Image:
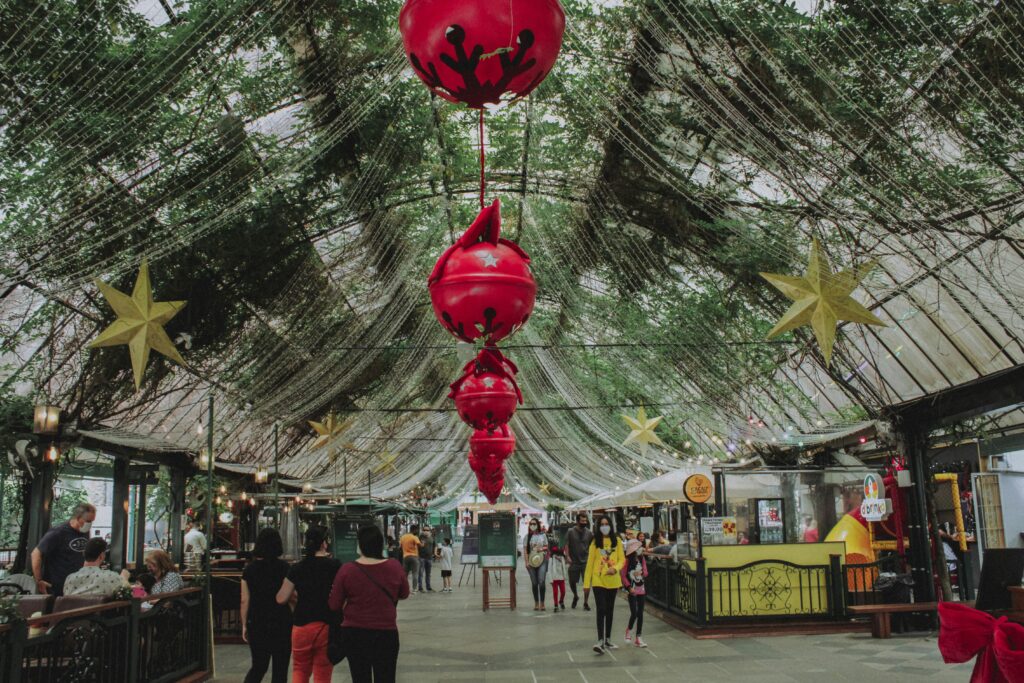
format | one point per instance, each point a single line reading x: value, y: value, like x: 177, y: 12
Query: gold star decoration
x: 387, y: 461
x: 545, y: 488
x: 821, y: 299
x: 642, y: 429
x: 327, y: 431
x: 139, y: 323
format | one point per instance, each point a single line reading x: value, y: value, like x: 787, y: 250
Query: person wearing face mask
x: 604, y: 564
x: 535, y: 554
x: 61, y: 551
x: 577, y: 546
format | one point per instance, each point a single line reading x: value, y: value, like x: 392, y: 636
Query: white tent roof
x: 658, y: 490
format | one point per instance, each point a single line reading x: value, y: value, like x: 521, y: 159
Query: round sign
x: 697, y: 488
x: 874, y: 487
x: 226, y: 517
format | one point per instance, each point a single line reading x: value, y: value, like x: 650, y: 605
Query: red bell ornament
x: 482, y: 287
x: 482, y: 52
x: 486, y: 395
x: 497, y: 444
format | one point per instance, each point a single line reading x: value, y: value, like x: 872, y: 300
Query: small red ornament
x: 487, y: 394
x: 482, y: 287
x: 482, y: 51
x: 496, y: 444
x: 491, y: 482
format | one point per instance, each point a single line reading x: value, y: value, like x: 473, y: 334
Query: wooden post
x: 176, y: 509
x: 39, y: 512
x: 140, y: 525
x: 119, y: 516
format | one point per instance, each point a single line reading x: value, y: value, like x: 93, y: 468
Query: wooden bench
x: 881, y: 615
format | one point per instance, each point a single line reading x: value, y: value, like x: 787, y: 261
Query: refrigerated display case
x: 767, y: 520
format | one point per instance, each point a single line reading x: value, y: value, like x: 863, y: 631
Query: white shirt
x: 556, y: 570
x: 195, y: 541
x: 93, y: 581
x: 446, y: 558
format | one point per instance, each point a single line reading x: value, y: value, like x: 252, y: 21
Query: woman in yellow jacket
x: 604, y: 562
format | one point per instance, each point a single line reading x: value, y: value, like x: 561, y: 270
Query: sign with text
x: 697, y: 488
x: 470, y: 545
x: 498, y: 540
x: 875, y: 506
x: 718, y: 531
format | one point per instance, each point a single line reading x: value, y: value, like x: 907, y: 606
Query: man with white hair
x: 61, y: 550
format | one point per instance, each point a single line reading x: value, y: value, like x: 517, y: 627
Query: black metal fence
x: 860, y: 581
x: 116, y: 642
x: 766, y: 590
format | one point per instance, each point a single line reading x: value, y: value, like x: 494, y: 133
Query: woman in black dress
x: 266, y: 625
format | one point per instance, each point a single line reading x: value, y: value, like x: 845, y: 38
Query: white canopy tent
x: 666, y: 487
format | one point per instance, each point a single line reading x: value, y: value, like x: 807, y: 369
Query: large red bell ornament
x: 482, y: 287
x: 482, y: 52
x: 497, y: 444
x: 486, y: 395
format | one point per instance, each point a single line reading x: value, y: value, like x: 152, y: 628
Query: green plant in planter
x: 9, y: 612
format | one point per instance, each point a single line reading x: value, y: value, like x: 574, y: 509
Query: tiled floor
x: 447, y: 637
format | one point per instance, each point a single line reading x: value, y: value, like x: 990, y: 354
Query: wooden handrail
x: 164, y: 596
x: 77, y: 613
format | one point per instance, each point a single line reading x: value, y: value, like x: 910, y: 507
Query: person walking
x: 367, y: 592
x: 604, y: 562
x: 411, y: 543
x: 310, y: 580
x: 194, y: 545
x: 577, y: 547
x: 59, y: 552
x: 161, y: 566
x: 535, y: 555
x: 634, y: 573
x: 556, y: 570
x: 92, y: 578
x: 426, y: 556
x: 447, y: 554
x: 266, y: 625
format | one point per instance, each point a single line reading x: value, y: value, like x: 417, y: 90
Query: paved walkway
x: 447, y: 637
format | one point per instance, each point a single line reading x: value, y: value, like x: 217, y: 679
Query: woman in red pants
x: 310, y: 580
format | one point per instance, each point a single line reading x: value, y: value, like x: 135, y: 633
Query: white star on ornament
x: 489, y: 382
x: 489, y: 260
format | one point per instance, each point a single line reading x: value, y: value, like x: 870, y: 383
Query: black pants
x: 605, y: 603
x: 373, y: 654
x: 575, y: 573
x: 636, y: 612
x: 262, y: 649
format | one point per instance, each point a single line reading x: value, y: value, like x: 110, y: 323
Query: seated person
x: 143, y: 585
x: 92, y: 578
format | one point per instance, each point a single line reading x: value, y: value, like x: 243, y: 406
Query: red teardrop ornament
x: 482, y: 287
x: 482, y: 52
x: 486, y: 395
x: 497, y: 444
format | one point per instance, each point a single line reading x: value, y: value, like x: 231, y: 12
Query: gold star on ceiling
x: 328, y: 430
x: 139, y: 323
x: 545, y: 488
x: 642, y: 430
x: 387, y: 461
x: 821, y: 299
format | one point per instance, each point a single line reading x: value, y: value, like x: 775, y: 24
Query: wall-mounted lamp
x: 46, y: 419
x: 52, y: 453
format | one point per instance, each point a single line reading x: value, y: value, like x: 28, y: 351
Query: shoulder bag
x: 337, y: 648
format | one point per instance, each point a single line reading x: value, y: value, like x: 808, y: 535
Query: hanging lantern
x: 307, y: 487
x: 45, y: 419
x: 481, y: 286
x: 482, y: 52
x: 52, y: 453
x: 487, y: 394
x: 498, y: 444
x: 261, y: 475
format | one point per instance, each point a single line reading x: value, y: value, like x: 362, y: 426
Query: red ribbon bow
x: 965, y: 633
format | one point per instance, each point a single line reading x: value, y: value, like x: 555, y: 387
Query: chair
x: 30, y: 604
x: 69, y: 602
x: 24, y: 582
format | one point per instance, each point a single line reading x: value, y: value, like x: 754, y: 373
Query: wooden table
x: 510, y: 601
x: 1016, y: 598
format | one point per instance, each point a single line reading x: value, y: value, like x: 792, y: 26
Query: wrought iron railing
x: 770, y: 589
x: 859, y: 580
x: 115, y: 642
x: 763, y: 590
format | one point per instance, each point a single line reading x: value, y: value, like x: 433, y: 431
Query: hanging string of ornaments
x: 483, y: 54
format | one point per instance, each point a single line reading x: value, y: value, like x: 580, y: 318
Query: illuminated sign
x: 697, y: 488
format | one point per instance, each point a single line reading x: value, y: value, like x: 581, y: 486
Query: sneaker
x: 629, y: 636
x: 562, y: 605
x: 556, y: 607
x: 639, y: 643
x: 609, y: 645
x: 599, y: 647
x: 575, y: 601
x: 586, y: 607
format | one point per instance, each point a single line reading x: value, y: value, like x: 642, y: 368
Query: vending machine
x: 767, y: 519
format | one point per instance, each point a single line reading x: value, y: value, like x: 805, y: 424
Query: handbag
x: 337, y: 647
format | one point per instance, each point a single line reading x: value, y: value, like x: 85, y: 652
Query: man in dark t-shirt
x: 426, y: 559
x: 60, y: 552
x: 577, y: 548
